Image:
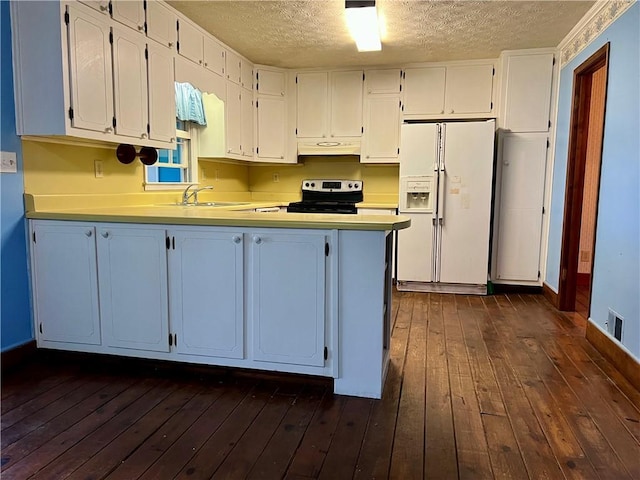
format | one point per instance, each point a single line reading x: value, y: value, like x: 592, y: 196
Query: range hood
x: 310, y: 147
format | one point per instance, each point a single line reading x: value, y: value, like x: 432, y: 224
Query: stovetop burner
x: 329, y: 196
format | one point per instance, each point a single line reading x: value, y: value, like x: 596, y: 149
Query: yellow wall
x: 58, y: 169
x: 377, y: 179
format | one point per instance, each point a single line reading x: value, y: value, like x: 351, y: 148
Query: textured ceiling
x: 313, y: 33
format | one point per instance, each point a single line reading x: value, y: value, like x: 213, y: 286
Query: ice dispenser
x: 416, y: 194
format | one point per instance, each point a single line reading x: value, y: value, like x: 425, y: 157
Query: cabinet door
x: 99, y: 5
x: 270, y: 83
x: 161, y: 24
x: 190, y: 42
x: 132, y: 278
x: 346, y: 104
x: 382, y: 81
x: 233, y: 109
x: 246, y: 74
x: 527, y: 96
x: 234, y: 66
x: 469, y: 89
x: 90, y: 71
x: 381, y: 129
x: 424, y: 91
x: 206, y: 292
x: 129, y: 13
x: 312, y: 104
x: 246, y: 143
x: 162, y: 105
x: 65, y: 283
x: 272, y: 124
x: 287, y: 297
x: 522, y: 164
x: 130, y: 84
x: 214, y: 56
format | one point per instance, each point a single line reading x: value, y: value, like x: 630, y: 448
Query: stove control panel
x: 332, y: 185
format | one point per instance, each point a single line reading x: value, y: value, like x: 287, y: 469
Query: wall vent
x: 614, y: 325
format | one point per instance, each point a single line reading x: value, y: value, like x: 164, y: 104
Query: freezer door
x: 465, y: 212
x: 415, y: 256
x: 418, y: 148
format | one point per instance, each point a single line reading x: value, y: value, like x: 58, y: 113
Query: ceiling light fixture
x: 362, y: 20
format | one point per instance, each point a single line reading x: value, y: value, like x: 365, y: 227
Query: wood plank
x: 74, y: 457
x: 407, y: 457
x: 37, y: 388
x: 225, y: 437
x: 312, y: 451
x: 45, y: 454
x: 241, y: 459
x: 471, y: 444
x: 375, y: 455
x: 440, y: 444
x: 115, y: 452
x: 157, y: 445
x: 95, y: 404
x: 276, y: 456
x: 37, y: 419
x: 182, y: 451
x: 346, y: 443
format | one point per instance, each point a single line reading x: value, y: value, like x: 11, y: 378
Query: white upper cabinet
x: 329, y: 104
x: 233, y: 110
x: 382, y: 81
x: 234, y: 67
x: 270, y: 83
x: 162, y: 105
x: 246, y: 134
x: 381, y: 139
x: 99, y: 5
x: 312, y: 104
x: 190, y: 42
x: 469, y: 89
x: 246, y: 74
x: 271, y: 129
x: 161, y: 24
x: 424, y: 91
x: 130, y: 84
x: 91, y: 81
x: 526, y: 91
x: 346, y: 104
x: 449, y: 91
x: 214, y: 55
x: 129, y: 13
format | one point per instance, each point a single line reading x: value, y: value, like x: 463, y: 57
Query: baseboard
x: 583, y: 279
x: 17, y: 356
x: 619, y: 358
x: 509, y: 288
x: 550, y: 295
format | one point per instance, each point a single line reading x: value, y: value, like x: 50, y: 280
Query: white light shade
x: 363, y: 25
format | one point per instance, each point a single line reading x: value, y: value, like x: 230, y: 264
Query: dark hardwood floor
x: 502, y: 386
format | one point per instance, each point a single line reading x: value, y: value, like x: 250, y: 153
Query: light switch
x: 8, y: 162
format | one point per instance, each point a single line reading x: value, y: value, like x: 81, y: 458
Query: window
x: 175, y: 168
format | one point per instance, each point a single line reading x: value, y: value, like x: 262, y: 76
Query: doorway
x: 583, y: 182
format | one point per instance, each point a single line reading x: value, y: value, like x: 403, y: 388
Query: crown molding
x: 594, y: 22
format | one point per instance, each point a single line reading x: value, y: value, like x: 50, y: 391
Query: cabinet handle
x: 140, y: 27
x: 200, y: 62
x: 170, y: 44
x: 105, y: 234
x: 108, y: 129
x: 257, y: 240
x: 281, y: 156
x: 206, y: 64
x: 103, y: 8
x: 441, y: 111
x: 237, y: 239
x: 172, y: 139
x: 88, y: 233
x: 452, y: 111
x: 144, y: 135
x: 282, y: 94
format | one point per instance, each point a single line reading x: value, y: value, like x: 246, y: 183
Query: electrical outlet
x: 8, y: 163
x: 276, y: 177
x: 97, y: 166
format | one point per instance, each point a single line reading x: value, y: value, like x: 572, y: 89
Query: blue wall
x: 15, y: 321
x: 616, y: 275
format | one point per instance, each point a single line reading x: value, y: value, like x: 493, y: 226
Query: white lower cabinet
x: 287, y: 296
x: 65, y: 283
x: 132, y: 279
x: 206, y: 291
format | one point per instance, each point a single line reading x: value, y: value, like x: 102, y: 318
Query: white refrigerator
x: 446, y: 172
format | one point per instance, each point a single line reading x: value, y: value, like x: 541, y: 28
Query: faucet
x: 186, y: 195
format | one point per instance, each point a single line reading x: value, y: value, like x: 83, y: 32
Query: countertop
x: 231, y: 216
